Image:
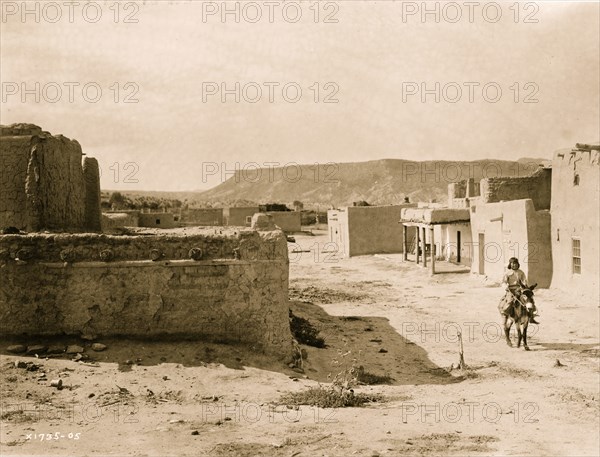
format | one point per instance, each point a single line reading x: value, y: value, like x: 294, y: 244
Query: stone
x: 36, y: 349
x: 56, y: 349
x: 16, y: 348
x: 98, y: 347
x: 74, y: 349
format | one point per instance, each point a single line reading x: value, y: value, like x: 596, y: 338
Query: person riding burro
x: 515, y: 280
x: 517, y: 306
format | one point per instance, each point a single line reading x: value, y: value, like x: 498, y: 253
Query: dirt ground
x: 188, y: 398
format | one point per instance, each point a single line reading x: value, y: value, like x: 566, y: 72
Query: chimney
x: 470, y: 188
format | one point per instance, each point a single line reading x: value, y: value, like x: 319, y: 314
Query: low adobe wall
x: 288, y: 221
x: 235, y: 289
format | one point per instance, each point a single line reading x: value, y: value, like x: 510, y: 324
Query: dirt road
x: 189, y: 398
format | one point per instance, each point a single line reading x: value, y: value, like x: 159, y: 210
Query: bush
x: 305, y: 332
x: 327, y: 397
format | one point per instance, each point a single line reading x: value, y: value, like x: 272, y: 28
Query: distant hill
x: 379, y: 182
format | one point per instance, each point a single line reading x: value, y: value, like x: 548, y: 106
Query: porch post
x: 432, y: 271
x: 405, y: 242
x: 417, y: 257
x: 423, y: 243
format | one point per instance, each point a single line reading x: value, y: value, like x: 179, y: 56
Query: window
x: 248, y: 220
x: 576, y: 256
x: 157, y: 221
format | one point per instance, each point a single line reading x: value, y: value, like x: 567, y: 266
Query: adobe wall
x: 337, y: 226
x: 449, y: 235
x: 91, y: 177
x: 157, y: 220
x: 14, y: 157
x: 576, y: 214
x: 537, y: 187
x: 42, y: 182
x: 238, y: 216
x: 288, y: 221
x: 539, y: 252
x: 512, y: 229
x: 376, y: 229
x: 235, y: 290
x: 202, y: 216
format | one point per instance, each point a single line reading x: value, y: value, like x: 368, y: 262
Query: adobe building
x: 511, y: 218
x: 575, y: 210
x: 288, y: 221
x: 241, y: 216
x: 434, y: 230
x: 230, y: 286
x: 488, y: 222
x: 363, y: 230
x: 202, y: 216
x: 45, y: 183
x: 512, y: 229
x: 162, y: 220
x: 443, y: 232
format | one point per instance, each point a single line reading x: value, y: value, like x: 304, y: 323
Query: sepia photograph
x: 299, y: 228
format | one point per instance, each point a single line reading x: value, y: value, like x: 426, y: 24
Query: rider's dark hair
x: 513, y: 259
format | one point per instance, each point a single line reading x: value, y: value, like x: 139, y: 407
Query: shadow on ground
x: 371, y: 342
x: 590, y: 349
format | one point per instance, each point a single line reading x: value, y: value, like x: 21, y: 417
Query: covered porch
x: 424, y: 220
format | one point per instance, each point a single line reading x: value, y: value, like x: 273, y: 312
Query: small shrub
x: 364, y: 377
x: 328, y: 397
x: 305, y: 332
x: 340, y: 393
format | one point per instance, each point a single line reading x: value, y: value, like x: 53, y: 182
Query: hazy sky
x: 375, y: 61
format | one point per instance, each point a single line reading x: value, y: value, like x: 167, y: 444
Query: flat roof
x: 435, y: 215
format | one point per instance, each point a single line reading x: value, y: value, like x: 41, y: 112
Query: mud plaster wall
x: 512, y: 229
x: 337, y: 226
x: 576, y: 215
x: 288, y: 221
x: 202, y: 216
x: 236, y: 292
x: 238, y: 216
x: 376, y: 229
x: 450, y: 247
x: 364, y: 230
x: 42, y: 183
x: 14, y: 157
x: 537, y: 187
x: 91, y: 176
x: 157, y: 220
